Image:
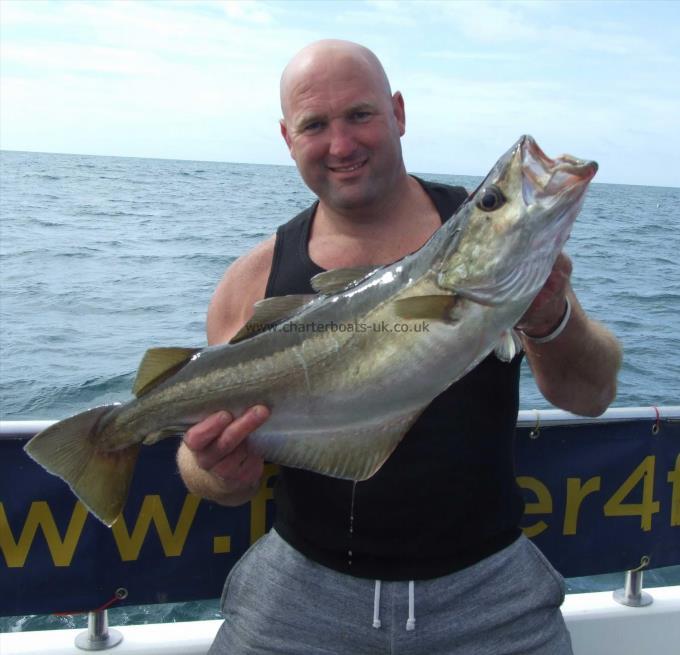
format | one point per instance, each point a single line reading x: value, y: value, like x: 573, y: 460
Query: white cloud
x: 71, y: 57
x: 248, y: 11
x: 383, y: 12
x: 475, y: 55
x: 200, y: 79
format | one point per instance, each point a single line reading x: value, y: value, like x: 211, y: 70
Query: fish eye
x: 491, y: 198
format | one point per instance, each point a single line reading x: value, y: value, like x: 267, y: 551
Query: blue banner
x: 598, y: 497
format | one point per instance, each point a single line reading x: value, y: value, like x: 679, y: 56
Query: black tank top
x: 445, y: 499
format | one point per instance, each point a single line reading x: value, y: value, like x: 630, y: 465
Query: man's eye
x: 314, y: 126
x: 361, y: 116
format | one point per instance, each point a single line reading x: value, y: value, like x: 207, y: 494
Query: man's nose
x: 342, y: 143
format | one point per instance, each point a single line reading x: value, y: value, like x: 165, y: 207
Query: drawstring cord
x: 376, y: 605
x: 411, y: 621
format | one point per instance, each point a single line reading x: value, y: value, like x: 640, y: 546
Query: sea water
x: 104, y: 257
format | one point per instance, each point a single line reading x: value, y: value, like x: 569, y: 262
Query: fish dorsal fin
x: 158, y: 364
x: 339, y: 279
x: 435, y: 308
x: 270, y: 311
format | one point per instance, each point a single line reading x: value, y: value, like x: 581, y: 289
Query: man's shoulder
x: 259, y: 258
x: 446, y: 197
x: 243, y: 284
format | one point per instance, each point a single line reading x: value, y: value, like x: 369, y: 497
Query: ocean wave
x: 43, y: 176
x: 80, y: 252
x: 41, y: 401
x: 110, y: 213
x: 44, y: 222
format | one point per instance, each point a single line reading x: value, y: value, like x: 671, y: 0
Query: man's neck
x: 358, y: 220
x: 375, y: 235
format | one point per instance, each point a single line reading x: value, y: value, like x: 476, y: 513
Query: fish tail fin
x: 100, y: 479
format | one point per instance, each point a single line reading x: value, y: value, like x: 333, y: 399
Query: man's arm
x: 213, y: 459
x: 577, y: 370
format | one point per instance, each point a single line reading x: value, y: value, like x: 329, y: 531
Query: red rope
x: 657, y: 425
x: 106, y: 605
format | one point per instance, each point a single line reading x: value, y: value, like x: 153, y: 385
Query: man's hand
x: 214, y: 460
x: 576, y: 371
x: 548, y: 307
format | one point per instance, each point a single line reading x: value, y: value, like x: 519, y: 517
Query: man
x: 437, y: 526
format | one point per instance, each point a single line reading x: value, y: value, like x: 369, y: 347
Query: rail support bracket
x: 632, y: 595
x: 98, y: 636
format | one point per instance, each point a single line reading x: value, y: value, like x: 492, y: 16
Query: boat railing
x: 602, y: 495
x: 526, y: 418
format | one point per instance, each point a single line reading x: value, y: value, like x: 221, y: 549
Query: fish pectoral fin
x: 100, y: 479
x: 509, y: 345
x: 351, y: 452
x: 270, y: 311
x: 158, y: 364
x: 435, y: 308
x: 339, y: 279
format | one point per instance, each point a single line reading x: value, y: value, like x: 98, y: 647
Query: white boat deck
x: 598, y: 626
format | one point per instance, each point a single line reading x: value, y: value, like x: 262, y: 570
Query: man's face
x: 343, y: 130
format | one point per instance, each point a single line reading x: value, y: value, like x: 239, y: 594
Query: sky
x: 199, y: 80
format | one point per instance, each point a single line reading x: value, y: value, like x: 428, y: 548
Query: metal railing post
x: 98, y: 636
x: 632, y: 594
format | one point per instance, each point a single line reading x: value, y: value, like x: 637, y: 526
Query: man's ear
x: 399, y: 112
x: 286, y: 136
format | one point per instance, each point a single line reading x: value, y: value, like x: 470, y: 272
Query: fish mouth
x: 544, y: 178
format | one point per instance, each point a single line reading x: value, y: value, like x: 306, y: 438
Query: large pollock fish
x: 343, y: 384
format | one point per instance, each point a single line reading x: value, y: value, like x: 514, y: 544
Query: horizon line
x: 243, y: 163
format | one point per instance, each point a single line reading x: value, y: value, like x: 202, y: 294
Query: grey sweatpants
x: 276, y: 600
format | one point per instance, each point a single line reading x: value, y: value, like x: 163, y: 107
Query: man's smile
x: 349, y: 168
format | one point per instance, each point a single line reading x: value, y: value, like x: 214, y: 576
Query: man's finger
x: 227, y: 449
x: 202, y: 434
x: 239, y: 429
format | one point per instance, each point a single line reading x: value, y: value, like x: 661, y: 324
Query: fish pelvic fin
x: 509, y: 345
x: 158, y: 364
x: 100, y: 479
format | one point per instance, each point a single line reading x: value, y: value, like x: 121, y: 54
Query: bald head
x: 322, y: 56
x: 342, y: 126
